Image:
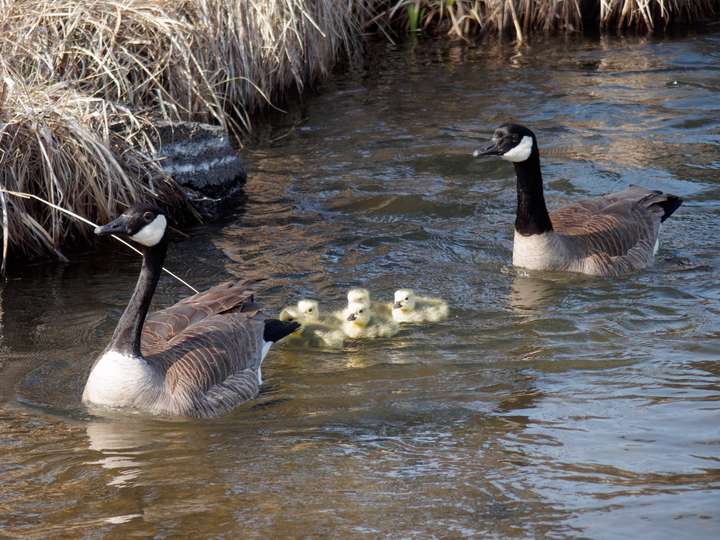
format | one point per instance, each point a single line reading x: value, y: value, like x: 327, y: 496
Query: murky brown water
x: 547, y: 406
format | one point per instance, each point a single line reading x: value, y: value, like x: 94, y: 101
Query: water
x: 547, y: 406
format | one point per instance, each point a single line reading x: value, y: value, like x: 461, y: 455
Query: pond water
x: 546, y: 406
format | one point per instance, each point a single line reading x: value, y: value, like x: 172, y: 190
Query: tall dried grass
x: 185, y: 60
x: 652, y: 14
x: 87, y: 154
x: 88, y: 78
x: 466, y: 18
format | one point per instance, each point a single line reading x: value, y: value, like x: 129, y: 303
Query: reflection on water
x: 546, y: 406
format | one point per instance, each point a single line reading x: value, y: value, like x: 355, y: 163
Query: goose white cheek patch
x: 151, y: 233
x: 521, y: 152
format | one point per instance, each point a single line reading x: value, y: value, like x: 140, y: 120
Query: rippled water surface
x: 546, y: 406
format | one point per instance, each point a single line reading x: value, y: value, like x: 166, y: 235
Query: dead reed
x: 85, y: 154
x: 518, y: 18
x: 85, y: 80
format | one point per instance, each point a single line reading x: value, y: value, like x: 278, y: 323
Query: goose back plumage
x: 208, y: 348
x: 615, y: 233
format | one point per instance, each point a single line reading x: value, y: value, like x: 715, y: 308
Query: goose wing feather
x: 612, y: 225
x: 161, y: 326
x: 212, y: 365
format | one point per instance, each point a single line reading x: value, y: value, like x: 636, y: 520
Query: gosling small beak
x: 397, y: 305
x: 490, y: 149
x: 116, y: 226
x: 352, y: 317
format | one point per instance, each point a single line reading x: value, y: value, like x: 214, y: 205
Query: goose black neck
x: 532, y: 215
x: 128, y: 333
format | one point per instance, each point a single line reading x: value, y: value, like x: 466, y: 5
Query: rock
x: 200, y: 158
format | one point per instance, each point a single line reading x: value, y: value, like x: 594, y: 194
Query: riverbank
x: 84, y: 85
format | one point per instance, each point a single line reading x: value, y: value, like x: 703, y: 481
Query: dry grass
x: 648, y: 15
x: 467, y: 18
x: 88, y: 78
x: 184, y: 60
x: 85, y: 154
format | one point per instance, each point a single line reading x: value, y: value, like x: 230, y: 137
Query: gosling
x: 361, y: 323
x: 409, y: 308
x: 315, y: 329
x: 358, y: 295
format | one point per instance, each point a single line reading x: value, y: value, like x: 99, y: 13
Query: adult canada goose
x: 603, y: 236
x: 200, y: 357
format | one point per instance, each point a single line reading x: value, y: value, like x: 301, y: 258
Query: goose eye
x: 361, y: 311
x: 148, y: 217
x: 310, y: 310
x: 407, y: 298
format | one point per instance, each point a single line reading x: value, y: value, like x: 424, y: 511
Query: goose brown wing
x: 611, y: 225
x: 162, y: 326
x: 213, y: 361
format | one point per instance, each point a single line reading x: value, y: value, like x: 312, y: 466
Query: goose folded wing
x: 612, y: 225
x: 162, y: 326
x: 210, y: 352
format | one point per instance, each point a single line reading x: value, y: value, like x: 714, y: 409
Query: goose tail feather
x: 275, y: 330
x: 666, y: 202
x: 669, y: 204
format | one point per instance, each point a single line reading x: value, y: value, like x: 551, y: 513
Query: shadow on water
x: 546, y: 406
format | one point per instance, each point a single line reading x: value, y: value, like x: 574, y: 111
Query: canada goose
x: 315, y: 329
x: 359, y: 295
x: 362, y: 323
x: 410, y: 308
x: 603, y: 236
x: 200, y: 357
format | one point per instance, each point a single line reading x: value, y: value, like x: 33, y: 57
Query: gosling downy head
x: 404, y: 300
x: 289, y: 314
x: 309, y: 310
x: 358, y: 314
x: 358, y: 295
x: 144, y: 224
x: 512, y: 142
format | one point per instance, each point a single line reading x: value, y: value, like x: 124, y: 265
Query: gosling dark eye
x: 407, y: 298
x: 148, y: 217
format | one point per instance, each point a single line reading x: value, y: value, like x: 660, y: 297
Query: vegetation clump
x: 85, y: 81
x: 518, y: 18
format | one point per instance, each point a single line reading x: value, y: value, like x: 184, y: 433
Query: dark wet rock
x: 201, y: 159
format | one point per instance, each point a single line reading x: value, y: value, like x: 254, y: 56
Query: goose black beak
x: 116, y: 226
x: 397, y: 305
x: 490, y: 149
x: 352, y: 317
